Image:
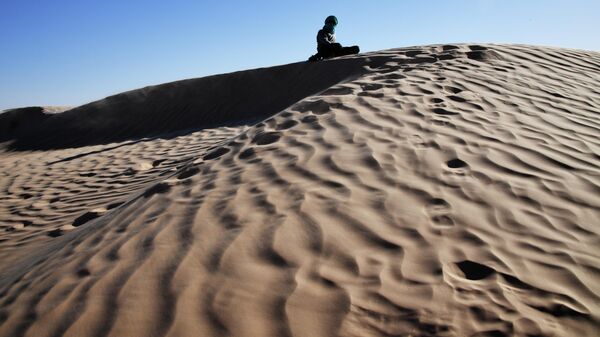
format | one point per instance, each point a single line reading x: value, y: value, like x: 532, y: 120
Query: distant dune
x: 448, y: 190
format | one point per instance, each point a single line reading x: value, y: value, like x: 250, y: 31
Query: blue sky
x: 70, y: 52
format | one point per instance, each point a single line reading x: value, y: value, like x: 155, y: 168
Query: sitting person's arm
x: 325, y: 38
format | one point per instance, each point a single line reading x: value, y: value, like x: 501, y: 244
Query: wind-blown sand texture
x: 429, y: 191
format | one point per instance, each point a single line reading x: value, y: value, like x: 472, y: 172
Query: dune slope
x: 428, y: 191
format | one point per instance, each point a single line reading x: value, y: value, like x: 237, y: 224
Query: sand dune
x: 449, y: 190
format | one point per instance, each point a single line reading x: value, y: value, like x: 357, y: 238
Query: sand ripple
x: 433, y: 191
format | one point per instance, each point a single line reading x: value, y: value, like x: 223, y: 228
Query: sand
x: 448, y: 190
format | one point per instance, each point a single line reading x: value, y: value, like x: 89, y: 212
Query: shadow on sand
x: 170, y: 109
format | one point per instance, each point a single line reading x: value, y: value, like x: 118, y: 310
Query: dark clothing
x: 329, y: 50
x: 327, y: 47
x: 324, y: 37
x: 326, y: 51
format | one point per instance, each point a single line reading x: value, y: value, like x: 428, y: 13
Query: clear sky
x: 70, y: 52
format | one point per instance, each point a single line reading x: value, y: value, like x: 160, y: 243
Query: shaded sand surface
x: 449, y: 190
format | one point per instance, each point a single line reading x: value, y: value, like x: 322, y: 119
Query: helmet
x: 332, y: 20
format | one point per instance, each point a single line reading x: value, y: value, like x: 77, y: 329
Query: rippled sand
x: 428, y: 191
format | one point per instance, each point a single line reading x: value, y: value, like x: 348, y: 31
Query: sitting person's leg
x: 330, y: 50
x: 349, y: 50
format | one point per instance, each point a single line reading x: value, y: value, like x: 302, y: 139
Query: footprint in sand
x: 286, y: 124
x: 449, y: 47
x: 55, y: 233
x: 247, y: 153
x: 87, y: 216
x: 157, y: 189
x: 453, y: 90
x: 83, y: 272
x: 477, y: 48
x: 157, y: 162
x: 456, y: 171
x: 443, y: 112
x: 266, y: 138
x: 371, y: 94
x: 468, y: 278
x: 474, y: 271
x: 190, y: 171
x: 456, y: 163
x: 318, y: 107
x: 477, y: 53
x: 436, y: 101
x: 114, y: 205
x: 457, y: 98
x: 439, y: 213
x: 129, y: 171
x: 26, y: 196
x: 214, y: 154
x: 447, y: 52
x: 446, y: 56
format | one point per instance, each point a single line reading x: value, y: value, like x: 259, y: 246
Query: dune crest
x: 448, y: 190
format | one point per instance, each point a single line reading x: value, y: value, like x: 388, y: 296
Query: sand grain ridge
x: 448, y: 190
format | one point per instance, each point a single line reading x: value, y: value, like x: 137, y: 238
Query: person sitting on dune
x: 327, y: 47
